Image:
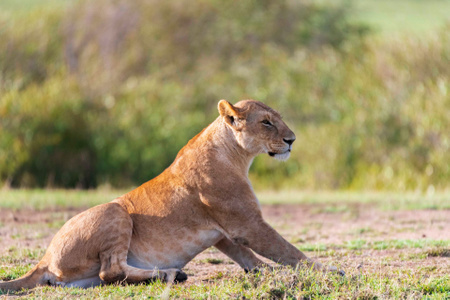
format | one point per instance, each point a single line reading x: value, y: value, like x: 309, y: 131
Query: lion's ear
x: 229, y: 113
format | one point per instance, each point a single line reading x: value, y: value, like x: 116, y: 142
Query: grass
x: 438, y: 245
x: 440, y: 251
x: 55, y: 199
x: 332, y: 202
x: 401, y: 16
x: 15, y: 6
x: 284, y: 283
x: 336, y: 202
x: 377, y: 266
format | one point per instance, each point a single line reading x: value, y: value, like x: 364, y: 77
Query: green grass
x: 214, y: 261
x: 437, y: 245
x: 284, y: 283
x: 403, y: 16
x: 23, y: 254
x: 439, y: 251
x: 389, y: 17
x: 18, y: 6
x: 19, y: 261
x: 55, y: 199
x: 334, y: 202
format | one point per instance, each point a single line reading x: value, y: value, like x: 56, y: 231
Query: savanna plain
x: 390, y: 246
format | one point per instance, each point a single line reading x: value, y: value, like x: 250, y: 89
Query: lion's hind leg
x: 113, y: 255
x: 114, y: 268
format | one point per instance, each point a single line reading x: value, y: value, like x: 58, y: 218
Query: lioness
x: 203, y: 199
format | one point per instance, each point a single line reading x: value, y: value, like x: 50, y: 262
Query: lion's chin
x: 281, y: 156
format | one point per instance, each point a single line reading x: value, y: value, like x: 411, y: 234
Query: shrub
x: 109, y: 91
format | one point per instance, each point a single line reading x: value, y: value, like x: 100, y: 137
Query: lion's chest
x: 173, y: 250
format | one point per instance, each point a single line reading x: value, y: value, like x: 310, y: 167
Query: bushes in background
x: 109, y: 91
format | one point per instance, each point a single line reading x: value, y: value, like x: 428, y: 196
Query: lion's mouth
x: 280, y: 156
x: 272, y: 154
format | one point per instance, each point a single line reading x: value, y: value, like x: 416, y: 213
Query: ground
x: 385, y: 253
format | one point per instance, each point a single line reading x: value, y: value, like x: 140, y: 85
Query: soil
x: 299, y: 224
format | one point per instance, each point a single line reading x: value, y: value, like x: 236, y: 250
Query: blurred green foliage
x: 107, y: 92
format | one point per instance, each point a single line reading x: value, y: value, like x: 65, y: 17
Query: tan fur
x: 203, y: 199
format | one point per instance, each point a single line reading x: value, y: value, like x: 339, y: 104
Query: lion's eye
x: 267, y: 123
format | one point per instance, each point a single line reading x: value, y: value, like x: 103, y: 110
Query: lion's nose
x: 289, y: 142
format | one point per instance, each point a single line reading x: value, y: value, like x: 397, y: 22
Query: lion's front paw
x: 175, y: 275
x: 180, y: 277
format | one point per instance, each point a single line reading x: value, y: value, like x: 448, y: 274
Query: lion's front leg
x: 240, y: 254
x: 264, y: 240
x: 240, y: 221
x: 259, y: 236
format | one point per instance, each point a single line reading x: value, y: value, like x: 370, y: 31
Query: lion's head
x: 258, y: 128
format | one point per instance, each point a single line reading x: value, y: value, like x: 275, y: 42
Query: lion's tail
x: 36, y: 276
